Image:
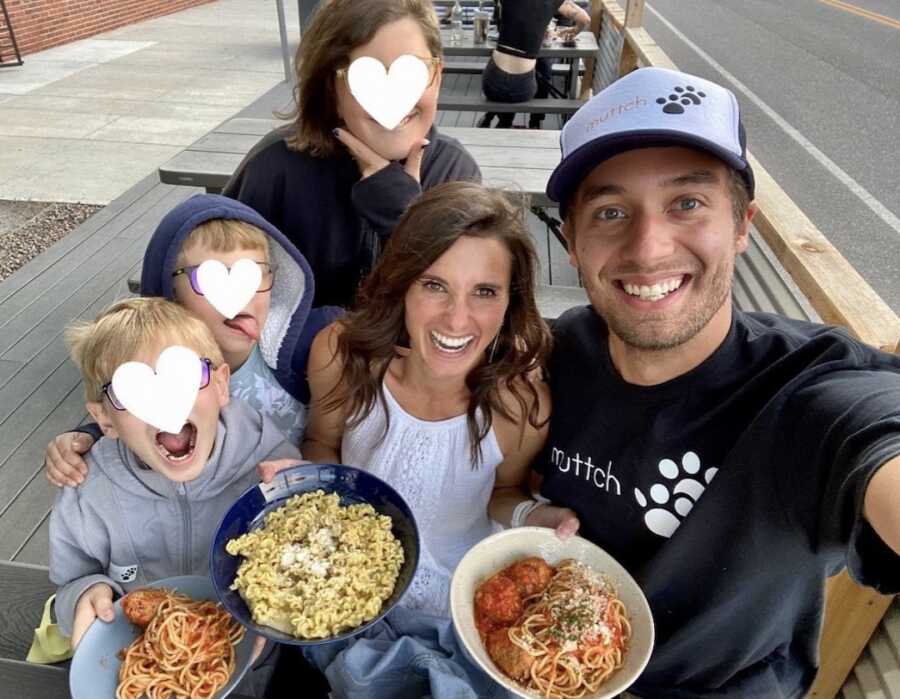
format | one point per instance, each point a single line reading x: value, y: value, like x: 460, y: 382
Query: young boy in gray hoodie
x: 151, y: 501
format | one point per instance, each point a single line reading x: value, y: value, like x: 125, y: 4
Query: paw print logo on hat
x: 686, y: 96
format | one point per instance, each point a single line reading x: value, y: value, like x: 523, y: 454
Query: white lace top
x: 430, y: 465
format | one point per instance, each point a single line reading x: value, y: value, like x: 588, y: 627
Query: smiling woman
x: 428, y: 381
x: 431, y: 381
x: 336, y: 180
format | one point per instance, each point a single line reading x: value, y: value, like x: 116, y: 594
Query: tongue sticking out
x: 177, y: 444
x: 245, y: 324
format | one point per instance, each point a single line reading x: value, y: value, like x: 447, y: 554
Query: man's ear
x: 220, y: 380
x: 743, y: 228
x: 568, y: 230
x: 100, y: 414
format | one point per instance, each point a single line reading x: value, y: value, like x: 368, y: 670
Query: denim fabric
x: 500, y: 86
x: 408, y: 655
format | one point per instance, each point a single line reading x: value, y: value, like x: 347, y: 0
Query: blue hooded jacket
x: 292, y: 323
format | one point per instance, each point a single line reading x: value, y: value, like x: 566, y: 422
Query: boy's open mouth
x: 178, y: 447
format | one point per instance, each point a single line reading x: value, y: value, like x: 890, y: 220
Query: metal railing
x: 8, y: 46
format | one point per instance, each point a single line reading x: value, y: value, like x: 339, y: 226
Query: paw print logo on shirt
x: 122, y: 574
x: 673, y: 500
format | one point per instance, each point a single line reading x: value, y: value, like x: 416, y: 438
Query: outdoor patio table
x: 517, y: 159
x: 585, y: 47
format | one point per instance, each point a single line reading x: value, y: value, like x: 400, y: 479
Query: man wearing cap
x: 731, y: 461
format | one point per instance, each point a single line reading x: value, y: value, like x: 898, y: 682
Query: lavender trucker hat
x: 649, y: 108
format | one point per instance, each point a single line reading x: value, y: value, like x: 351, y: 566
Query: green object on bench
x: 49, y: 644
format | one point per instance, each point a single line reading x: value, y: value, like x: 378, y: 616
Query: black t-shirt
x: 522, y: 25
x: 729, y: 493
x: 337, y: 220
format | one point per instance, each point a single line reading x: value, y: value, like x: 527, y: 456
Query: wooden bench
x: 23, y: 591
x: 477, y: 103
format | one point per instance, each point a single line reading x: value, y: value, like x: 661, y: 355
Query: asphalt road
x: 819, y: 86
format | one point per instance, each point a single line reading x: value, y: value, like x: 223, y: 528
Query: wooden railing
x: 834, y: 289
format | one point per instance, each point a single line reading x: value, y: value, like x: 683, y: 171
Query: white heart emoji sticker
x: 229, y: 291
x: 388, y: 96
x: 163, y: 398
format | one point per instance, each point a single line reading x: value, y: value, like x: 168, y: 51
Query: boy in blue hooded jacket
x: 266, y: 345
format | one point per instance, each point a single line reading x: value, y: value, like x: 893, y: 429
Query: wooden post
x: 851, y: 615
x: 634, y: 13
x: 634, y: 17
x: 596, y: 24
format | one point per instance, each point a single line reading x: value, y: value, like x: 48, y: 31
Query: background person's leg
x: 544, y: 77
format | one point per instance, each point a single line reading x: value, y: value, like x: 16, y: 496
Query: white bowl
x: 498, y: 551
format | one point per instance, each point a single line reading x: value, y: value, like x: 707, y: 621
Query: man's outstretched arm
x: 882, y: 503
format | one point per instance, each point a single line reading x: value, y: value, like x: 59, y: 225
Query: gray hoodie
x: 127, y: 525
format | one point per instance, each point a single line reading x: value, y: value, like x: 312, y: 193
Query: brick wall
x: 40, y: 24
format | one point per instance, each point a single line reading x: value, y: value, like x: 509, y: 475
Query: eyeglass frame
x: 191, y: 272
x: 432, y: 62
x: 205, y: 378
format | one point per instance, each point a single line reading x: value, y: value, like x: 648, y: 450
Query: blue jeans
x: 408, y: 655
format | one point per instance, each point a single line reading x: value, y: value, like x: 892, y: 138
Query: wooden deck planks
x: 36, y: 550
x: 8, y: 369
x: 40, y: 389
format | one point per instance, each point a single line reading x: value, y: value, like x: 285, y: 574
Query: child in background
x: 266, y: 345
x: 151, y: 501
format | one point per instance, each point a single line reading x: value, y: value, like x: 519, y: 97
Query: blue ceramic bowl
x: 354, y: 486
x: 94, y: 673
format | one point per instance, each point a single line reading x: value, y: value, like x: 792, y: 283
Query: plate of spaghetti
x: 169, y: 639
x: 550, y: 618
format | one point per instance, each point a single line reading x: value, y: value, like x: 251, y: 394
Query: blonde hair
x: 337, y: 28
x: 120, y: 332
x: 227, y: 234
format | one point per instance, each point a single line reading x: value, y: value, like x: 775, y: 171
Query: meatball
x: 514, y: 661
x: 140, y: 606
x: 530, y: 575
x: 499, y: 600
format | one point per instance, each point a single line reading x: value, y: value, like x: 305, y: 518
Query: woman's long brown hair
x: 337, y: 28
x: 376, y: 326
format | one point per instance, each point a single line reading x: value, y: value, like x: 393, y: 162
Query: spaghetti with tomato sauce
x: 186, y: 648
x: 561, y: 631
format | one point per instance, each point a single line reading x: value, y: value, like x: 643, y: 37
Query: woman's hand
x: 369, y: 162
x: 561, y: 519
x: 268, y: 469
x: 63, y: 459
x: 96, y: 601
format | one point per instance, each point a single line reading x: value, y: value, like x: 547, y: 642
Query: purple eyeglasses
x: 206, y: 369
x: 266, y: 281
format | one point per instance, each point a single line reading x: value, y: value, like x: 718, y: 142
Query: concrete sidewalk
x: 85, y: 121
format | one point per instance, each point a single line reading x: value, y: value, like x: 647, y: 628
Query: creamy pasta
x: 316, y: 568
